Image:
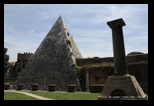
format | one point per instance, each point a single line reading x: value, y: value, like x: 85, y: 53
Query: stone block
x: 34, y: 87
x: 96, y: 88
x: 6, y: 86
x: 71, y: 87
x: 52, y: 87
x: 20, y: 87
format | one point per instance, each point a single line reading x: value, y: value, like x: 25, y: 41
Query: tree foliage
x: 134, y: 53
x: 6, y: 61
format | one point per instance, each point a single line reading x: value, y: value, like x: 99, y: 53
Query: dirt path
x: 29, y: 94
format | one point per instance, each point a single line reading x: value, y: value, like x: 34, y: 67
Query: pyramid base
x: 122, y: 88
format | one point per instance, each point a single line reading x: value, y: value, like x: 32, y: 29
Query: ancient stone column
x: 120, y: 86
x: 118, y: 46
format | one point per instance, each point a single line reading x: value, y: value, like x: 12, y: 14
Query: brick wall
x: 136, y: 65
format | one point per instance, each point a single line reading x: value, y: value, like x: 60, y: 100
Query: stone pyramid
x: 53, y: 62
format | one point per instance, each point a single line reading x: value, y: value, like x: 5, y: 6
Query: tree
x: 6, y: 61
x: 134, y: 53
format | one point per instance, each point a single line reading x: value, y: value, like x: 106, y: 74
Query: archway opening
x: 118, y: 93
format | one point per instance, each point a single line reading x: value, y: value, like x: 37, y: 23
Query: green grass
x: 52, y: 95
x: 17, y: 96
x: 67, y: 95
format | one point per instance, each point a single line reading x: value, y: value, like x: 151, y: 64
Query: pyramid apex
x: 60, y: 21
x: 60, y: 18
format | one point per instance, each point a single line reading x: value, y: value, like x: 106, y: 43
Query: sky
x: 26, y: 25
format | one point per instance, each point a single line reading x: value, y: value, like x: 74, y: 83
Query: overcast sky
x: 26, y: 25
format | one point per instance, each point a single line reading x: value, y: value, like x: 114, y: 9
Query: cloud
x: 17, y: 41
x: 26, y: 25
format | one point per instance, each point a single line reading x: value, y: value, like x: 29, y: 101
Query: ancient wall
x: 22, y: 60
x: 142, y: 58
x: 140, y: 71
x: 136, y: 65
x: 24, y: 56
x: 19, y: 65
x: 12, y: 72
x: 97, y: 60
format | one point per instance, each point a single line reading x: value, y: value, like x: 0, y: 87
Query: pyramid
x: 53, y: 62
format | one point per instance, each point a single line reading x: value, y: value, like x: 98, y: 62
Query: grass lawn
x: 17, y: 96
x: 67, y: 95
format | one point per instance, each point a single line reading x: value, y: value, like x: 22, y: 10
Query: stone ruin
x: 53, y: 62
x: 120, y: 85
